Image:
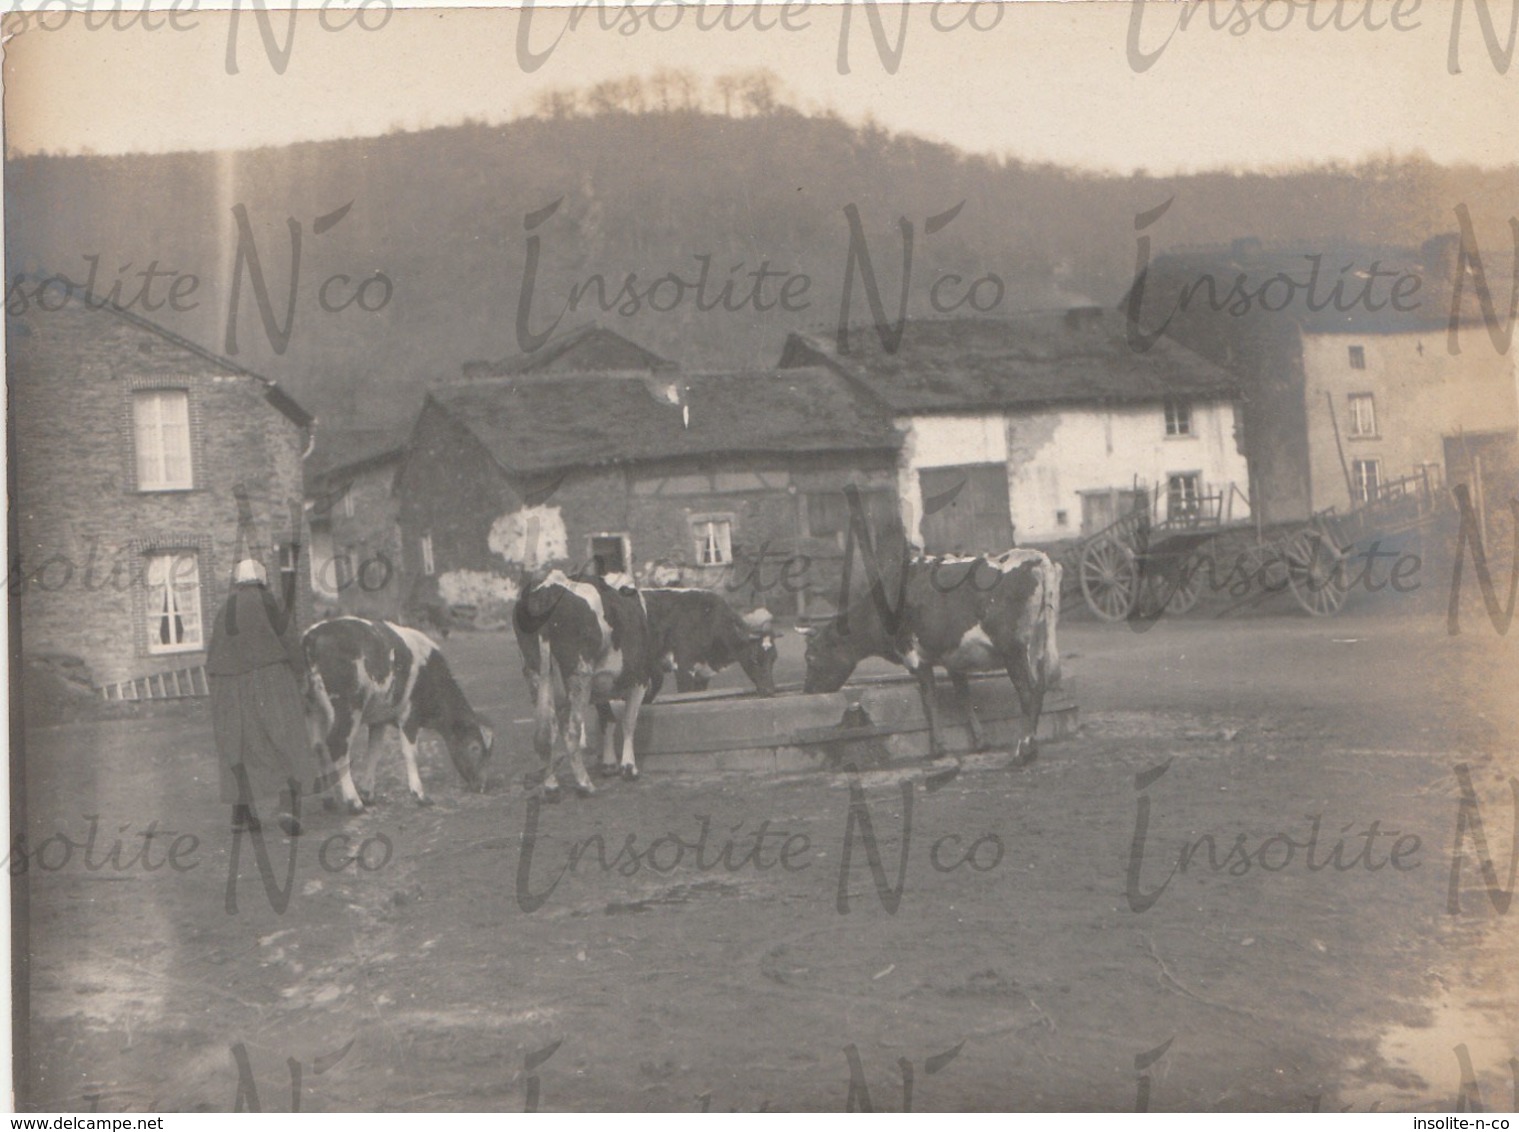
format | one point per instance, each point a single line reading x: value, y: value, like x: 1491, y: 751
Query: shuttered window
x: 161, y: 433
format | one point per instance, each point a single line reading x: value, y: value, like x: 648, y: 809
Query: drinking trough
x: 871, y: 722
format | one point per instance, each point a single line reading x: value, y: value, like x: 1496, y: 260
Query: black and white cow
x: 584, y: 641
x: 375, y: 674
x: 960, y: 613
x: 697, y: 634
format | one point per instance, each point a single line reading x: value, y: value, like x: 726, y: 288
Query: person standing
x: 255, y: 666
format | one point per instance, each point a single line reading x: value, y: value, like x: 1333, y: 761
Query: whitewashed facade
x: 1067, y: 468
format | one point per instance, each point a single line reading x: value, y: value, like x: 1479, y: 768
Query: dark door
x: 965, y: 509
x: 606, y: 555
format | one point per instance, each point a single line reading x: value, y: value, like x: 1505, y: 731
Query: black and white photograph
x: 727, y: 556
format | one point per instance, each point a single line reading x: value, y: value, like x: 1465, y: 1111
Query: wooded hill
x: 442, y: 214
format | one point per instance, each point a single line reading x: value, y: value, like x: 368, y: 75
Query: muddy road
x: 1232, y: 889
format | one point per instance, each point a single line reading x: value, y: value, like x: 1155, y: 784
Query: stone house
x: 143, y: 468
x: 351, y: 506
x: 1364, y: 370
x: 1042, y: 426
x: 595, y: 453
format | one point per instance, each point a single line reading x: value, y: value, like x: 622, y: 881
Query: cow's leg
x: 1030, y: 688
x: 341, y: 741
x: 546, y: 729
x: 924, y: 673
x: 629, y: 726
x: 316, y: 731
x: 370, y: 763
x: 608, y: 721
x: 578, y: 691
x: 408, y: 732
x: 331, y: 725
x: 961, y: 683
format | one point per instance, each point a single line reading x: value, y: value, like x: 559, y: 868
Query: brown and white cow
x: 584, y: 641
x: 697, y: 634
x: 375, y: 674
x: 960, y: 613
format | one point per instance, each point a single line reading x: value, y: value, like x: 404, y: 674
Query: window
x: 1183, y: 494
x: 161, y: 427
x: 1178, y: 418
x: 427, y: 563
x: 173, y: 583
x: 1357, y: 357
x: 1366, y: 475
x: 1062, y: 518
x: 1363, y: 415
x: 714, y: 540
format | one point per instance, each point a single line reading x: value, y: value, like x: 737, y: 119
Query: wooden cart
x: 1144, y: 566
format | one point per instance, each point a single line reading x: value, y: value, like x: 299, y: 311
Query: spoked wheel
x: 1178, y: 587
x: 1316, y: 573
x: 1109, y: 578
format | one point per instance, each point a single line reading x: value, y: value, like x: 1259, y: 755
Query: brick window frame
x: 195, y: 398
x: 211, y: 598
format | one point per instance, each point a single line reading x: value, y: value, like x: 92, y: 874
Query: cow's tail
x: 1052, y: 580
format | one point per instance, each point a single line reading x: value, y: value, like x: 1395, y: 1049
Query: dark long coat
x: 257, y: 712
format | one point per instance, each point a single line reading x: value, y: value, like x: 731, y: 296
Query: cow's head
x: 471, y: 742
x: 757, y: 653
x: 830, y: 661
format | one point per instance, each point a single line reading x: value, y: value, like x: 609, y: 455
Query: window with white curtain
x: 172, y: 579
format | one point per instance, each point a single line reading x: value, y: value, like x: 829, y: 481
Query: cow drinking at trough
x: 960, y: 613
x: 374, y: 674
x: 695, y: 633
x: 584, y: 641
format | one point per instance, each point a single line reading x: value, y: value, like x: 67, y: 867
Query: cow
x: 584, y: 641
x: 956, y: 612
x: 377, y: 674
x: 695, y: 634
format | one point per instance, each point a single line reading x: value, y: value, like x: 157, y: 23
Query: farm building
x: 1041, y: 427
x: 601, y: 456
x: 1354, y: 382
x: 145, y: 467
x: 355, y: 541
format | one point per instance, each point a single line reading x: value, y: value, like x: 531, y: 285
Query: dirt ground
x: 1042, y: 951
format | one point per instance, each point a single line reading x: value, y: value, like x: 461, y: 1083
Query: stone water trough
x: 870, y: 722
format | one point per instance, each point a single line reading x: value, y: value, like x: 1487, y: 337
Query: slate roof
x: 1040, y: 358
x: 339, y: 450
x: 580, y: 420
x: 83, y: 303
x: 590, y: 348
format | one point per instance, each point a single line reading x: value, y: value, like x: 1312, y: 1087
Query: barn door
x: 965, y: 509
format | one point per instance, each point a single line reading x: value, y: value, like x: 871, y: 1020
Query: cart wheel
x: 1316, y: 573
x: 1180, y: 591
x: 1109, y: 578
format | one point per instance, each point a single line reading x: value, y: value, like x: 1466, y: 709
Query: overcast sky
x: 1050, y: 81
